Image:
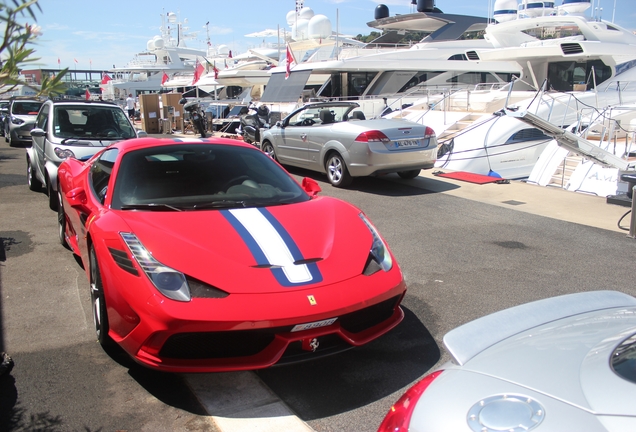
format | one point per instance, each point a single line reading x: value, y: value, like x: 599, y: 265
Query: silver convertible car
x: 335, y: 138
x: 566, y: 363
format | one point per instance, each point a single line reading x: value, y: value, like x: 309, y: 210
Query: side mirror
x: 279, y: 124
x: 311, y: 187
x: 77, y: 198
x: 37, y: 132
x: 142, y: 134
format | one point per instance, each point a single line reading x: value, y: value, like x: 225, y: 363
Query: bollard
x: 632, y: 223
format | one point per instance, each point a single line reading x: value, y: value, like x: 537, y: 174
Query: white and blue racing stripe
x: 272, y: 246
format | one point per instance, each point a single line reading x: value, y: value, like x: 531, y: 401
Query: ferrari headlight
x: 169, y: 282
x: 379, y: 252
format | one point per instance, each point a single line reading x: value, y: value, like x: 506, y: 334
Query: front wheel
x: 100, y: 317
x: 61, y: 221
x: 337, y: 171
x: 53, y: 201
x: 411, y: 174
x: 34, y: 184
x: 268, y: 149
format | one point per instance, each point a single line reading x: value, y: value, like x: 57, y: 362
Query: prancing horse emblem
x: 314, y: 344
x: 312, y: 300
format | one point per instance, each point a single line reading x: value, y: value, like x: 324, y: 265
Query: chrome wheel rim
x: 95, y: 295
x: 29, y: 179
x: 269, y: 150
x: 334, y: 169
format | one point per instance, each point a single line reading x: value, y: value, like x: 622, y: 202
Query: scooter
x: 196, y: 116
x: 251, y: 124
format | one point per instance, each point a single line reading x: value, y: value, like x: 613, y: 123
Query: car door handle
x: 303, y: 136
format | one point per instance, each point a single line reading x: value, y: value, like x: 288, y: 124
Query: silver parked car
x: 566, y: 363
x: 72, y: 128
x: 20, y: 119
x: 335, y: 138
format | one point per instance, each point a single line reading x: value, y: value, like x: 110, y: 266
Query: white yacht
x: 454, y: 82
x: 166, y: 53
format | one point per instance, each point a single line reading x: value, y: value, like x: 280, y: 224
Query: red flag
x: 105, y: 79
x: 198, y: 71
x: 164, y: 78
x: 216, y: 71
x: 230, y: 54
x: 58, y: 61
x: 290, y: 60
x: 87, y: 94
x: 75, y: 60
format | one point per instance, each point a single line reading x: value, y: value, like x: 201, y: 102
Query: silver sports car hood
x: 567, y: 358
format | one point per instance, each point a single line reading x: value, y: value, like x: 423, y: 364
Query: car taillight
x: 372, y: 136
x: 429, y: 132
x: 63, y: 153
x: 399, y: 416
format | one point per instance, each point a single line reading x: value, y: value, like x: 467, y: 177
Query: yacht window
x: 473, y: 78
x: 623, y: 360
x: 458, y: 57
x: 531, y: 134
x: 563, y: 75
x: 357, y: 82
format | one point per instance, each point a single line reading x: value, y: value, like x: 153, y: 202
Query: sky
x: 97, y: 34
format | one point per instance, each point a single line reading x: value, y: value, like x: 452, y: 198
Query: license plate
x: 312, y: 325
x: 406, y: 143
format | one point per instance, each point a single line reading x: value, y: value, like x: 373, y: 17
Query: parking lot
x: 465, y: 251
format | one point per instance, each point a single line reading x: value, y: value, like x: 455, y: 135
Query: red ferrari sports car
x: 205, y: 255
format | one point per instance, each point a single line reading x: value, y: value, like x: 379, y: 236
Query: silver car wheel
x: 33, y: 182
x: 268, y: 149
x: 337, y: 171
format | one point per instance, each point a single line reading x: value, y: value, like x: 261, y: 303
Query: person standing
x: 130, y: 105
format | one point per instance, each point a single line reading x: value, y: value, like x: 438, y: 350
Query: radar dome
x: 150, y: 45
x: 381, y: 11
x: 223, y: 50
x: 300, y: 29
x: 306, y: 13
x: 291, y: 18
x: 319, y: 27
x: 539, y: 8
x: 505, y: 10
x: 158, y: 42
x: 172, y: 17
x: 575, y: 7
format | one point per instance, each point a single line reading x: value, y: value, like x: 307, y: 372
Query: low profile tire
x: 8, y: 139
x: 98, y: 302
x: 268, y: 149
x: 61, y: 222
x: 411, y: 174
x: 337, y: 171
x: 53, y: 201
x: 33, y: 182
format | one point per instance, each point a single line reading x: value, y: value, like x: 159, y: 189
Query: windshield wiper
x: 151, y: 206
x: 219, y: 204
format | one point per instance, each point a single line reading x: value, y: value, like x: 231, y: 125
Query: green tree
x: 16, y: 50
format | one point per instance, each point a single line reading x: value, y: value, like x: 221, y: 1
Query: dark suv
x: 20, y: 119
x: 72, y: 128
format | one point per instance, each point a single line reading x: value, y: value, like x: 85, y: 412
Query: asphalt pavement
x: 466, y: 250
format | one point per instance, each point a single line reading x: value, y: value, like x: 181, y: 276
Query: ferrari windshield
x: 201, y: 176
x: 93, y: 122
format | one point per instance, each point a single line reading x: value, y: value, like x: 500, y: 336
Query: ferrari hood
x: 258, y: 250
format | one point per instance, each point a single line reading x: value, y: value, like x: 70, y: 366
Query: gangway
x: 571, y: 141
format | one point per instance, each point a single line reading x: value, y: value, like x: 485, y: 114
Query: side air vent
x: 472, y: 55
x: 571, y: 48
x: 123, y: 261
